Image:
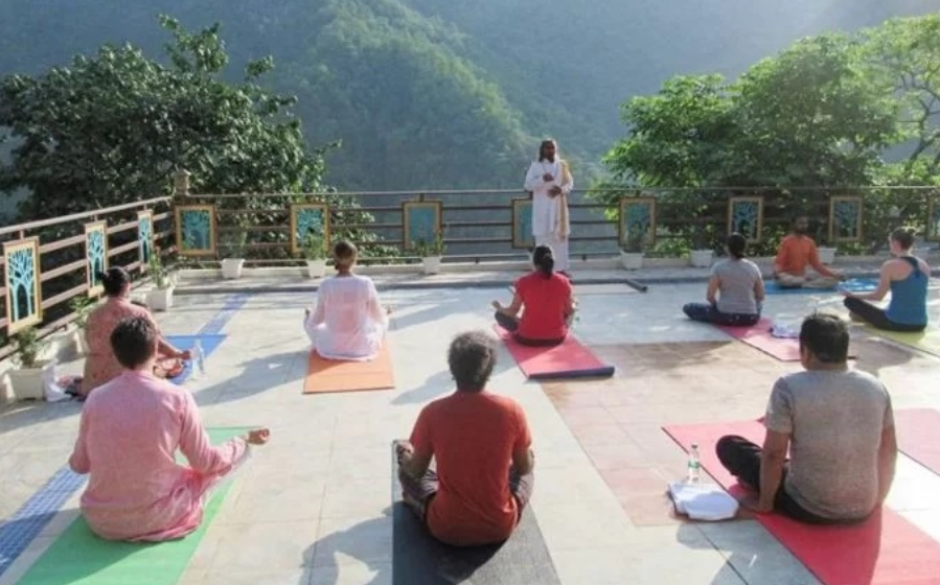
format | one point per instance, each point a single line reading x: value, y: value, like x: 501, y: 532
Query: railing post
x: 181, y: 183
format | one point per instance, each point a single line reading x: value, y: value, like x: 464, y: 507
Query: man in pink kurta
x: 131, y: 428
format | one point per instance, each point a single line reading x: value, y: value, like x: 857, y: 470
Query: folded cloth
x: 783, y: 331
x: 702, y: 501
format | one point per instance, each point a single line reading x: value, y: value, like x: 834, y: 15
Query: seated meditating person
x: 130, y: 431
x: 906, y: 276
x: 735, y: 290
x: 838, y: 426
x: 481, y: 446
x: 348, y: 323
x: 101, y: 365
x: 545, y: 299
x: 797, y: 251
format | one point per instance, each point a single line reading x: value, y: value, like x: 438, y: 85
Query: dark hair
x: 471, y: 358
x: 134, y: 341
x: 344, y: 254
x: 544, y: 259
x: 114, y: 280
x: 542, y: 146
x: 904, y: 237
x: 826, y: 337
x: 736, y: 245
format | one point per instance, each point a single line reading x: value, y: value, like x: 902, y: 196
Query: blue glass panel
x: 196, y: 227
x: 95, y: 250
x: 21, y: 284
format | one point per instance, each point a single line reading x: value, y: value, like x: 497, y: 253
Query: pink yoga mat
x: 919, y: 436
x: 884, y: 550
x: 758, y: 336
x: 568, y: 360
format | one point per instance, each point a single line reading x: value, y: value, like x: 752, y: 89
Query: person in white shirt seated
x: 348, y: 323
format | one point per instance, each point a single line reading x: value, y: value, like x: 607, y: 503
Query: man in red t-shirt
x: 482, y: 448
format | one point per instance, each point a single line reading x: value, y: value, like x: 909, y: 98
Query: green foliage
x: 82, y: 306
x: 157, y: 271
x: 314, y: 246
x: 425, y: 249
x: 28, y: 346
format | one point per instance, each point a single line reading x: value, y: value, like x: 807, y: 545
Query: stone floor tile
x: 354, y: 540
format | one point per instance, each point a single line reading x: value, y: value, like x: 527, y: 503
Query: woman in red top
x: 545, y: 298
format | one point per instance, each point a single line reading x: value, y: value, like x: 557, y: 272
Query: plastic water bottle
x: 199, y: 360
x: 694, y: 466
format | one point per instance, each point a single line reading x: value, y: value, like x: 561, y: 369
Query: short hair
x: 826, y: 337
x: 904, y: 237
x: 344, y: 253
x: 471, y: 357
x: 114, y: 280
x: 134, y: 341
x: 736, y: 245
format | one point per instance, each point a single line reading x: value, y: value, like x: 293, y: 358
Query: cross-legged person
x: 838, y: 426
x: 130, y: 431
x: 797, y: 250
x: 348, y: 322
x: 545, y: 299
x: 482, y: 447
x: 735, y: 290
x: 906, y: 277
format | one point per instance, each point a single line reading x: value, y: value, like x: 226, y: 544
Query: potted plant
x: 701, y: 255
x: 160, y: 298
x: 315, y: 254
x: 431, y: 253
x: 232, y: 247
x: 631, y: 257
x: 27, y: 379
x: 81, y: 306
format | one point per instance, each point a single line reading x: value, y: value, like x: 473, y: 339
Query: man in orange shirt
x: 482, y: 448
x: 797, y: 251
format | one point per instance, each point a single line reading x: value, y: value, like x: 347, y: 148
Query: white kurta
x: 349, y: 323
x: 546, y: 210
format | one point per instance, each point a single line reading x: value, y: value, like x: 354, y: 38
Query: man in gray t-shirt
x: 839, y: 428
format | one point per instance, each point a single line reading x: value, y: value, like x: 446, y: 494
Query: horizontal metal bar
x: 63, y: 243
x: 123, y: 248
x: 121, y: 227
x: 33, y: 225
x: 64, y: 296
x: 47, y: 275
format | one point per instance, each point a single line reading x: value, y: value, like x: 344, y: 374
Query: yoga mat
x: 568, y: 360
x: 758, y: 336
x: 927, y: 340
x: 885, y: 549
x: 210, y: 342
x: 346, y: 376
x: 417, y: 558
x: 918, y: 433
x: 78, y: 557
x: 855, y: 285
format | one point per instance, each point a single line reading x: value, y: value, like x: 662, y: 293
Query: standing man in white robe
x: 550, y: 182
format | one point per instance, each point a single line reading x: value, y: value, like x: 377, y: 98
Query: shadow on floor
x: 364, y: 542
x: 259, y: 375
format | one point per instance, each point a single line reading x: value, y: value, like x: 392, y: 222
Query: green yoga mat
x: 78, y: 557
x: 928, y: 340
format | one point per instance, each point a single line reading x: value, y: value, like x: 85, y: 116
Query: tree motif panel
x: 145, y: 237
x: 746, y: 217
x: 522, y: 223
x: 96, y: 255
x: 24, y: 299
x: 933, y: 218
x: 305, y: 218
x: 421, y: 222
x: 845, y: 219
x: 196, y: 230
x: 637, y: 221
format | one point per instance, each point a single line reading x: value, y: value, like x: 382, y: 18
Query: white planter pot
x: 827, y: 255
x: 27, y: 383
x: 316, y: 268
x: 701, y: 258
x: 160, y: 299
x: 232, y: 268
x: 78, y: 338
x: 631, y: 260
x: 431, y: 264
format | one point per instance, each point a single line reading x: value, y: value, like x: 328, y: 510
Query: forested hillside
x: 435, y: 93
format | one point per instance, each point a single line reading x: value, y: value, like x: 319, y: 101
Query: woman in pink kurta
x: 131, y: 429
x: 100, y: 365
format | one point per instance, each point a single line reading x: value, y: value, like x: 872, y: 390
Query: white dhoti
x: 559, y: 250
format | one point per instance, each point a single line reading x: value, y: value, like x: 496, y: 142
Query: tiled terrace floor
x: 313, y: 507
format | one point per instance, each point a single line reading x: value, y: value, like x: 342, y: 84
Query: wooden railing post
x: 181, y: 183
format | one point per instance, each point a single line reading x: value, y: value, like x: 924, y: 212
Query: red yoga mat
x: 758, y: 336
x: 918, y: 432
x: 886, y: 549
x: 568, y: 360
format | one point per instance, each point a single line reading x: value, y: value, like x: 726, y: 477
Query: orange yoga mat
x: 340, y: 376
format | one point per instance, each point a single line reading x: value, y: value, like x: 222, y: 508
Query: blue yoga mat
x: 856, y: 285
x: 183, y: 342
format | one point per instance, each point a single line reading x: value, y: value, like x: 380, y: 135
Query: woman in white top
x: 348, y: 323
